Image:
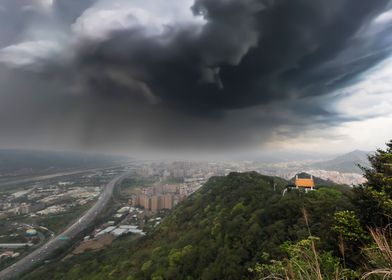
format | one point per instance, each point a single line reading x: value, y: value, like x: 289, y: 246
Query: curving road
x: 42, y: 253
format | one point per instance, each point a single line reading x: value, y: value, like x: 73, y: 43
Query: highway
x: 42, y: 253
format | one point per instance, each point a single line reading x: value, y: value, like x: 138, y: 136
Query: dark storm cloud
x: 252, y: 70
x: 249, y: 53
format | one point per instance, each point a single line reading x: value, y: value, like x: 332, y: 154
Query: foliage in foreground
x: 379, y: 255
x: 304, y: 262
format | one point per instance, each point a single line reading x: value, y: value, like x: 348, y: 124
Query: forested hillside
x: 218, y: 233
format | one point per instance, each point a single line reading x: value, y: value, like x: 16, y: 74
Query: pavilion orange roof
x: 304, y: 183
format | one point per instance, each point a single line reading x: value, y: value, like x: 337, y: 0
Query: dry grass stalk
x: 316, y: 266
x: 384, y: 249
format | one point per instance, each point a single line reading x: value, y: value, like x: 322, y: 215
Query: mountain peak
x: 346, y: 163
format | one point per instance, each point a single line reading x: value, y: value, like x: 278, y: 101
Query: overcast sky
x: 195, y: 76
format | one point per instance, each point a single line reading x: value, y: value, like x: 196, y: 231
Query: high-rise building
x: 145, y: 201
x: 156, y: 203
x: 168, y: 201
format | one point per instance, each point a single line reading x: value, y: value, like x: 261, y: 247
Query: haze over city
x: 192, y: 77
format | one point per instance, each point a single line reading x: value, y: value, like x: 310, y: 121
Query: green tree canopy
x: 373, y: 199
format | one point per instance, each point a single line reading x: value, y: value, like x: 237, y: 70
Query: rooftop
x: 304, y: 183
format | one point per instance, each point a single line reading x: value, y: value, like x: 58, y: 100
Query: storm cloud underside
x: 123, y: 74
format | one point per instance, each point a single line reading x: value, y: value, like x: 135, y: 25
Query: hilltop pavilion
x: 304, y: 183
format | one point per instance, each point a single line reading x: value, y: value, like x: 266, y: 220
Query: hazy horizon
x: 268, y: 157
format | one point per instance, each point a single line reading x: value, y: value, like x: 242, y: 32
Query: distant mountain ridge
x: 346, y: 163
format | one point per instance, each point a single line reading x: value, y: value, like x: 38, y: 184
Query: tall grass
x: 380, y: 255
x: 304, y: 262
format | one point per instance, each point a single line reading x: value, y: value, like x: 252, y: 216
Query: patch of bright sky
x: 371, y: 96
x: 370, y: 100
x: 368, y: 106
x: 28, y: 53
x: 385, y: 17
x: 47, y: 4
x: 154, y: 17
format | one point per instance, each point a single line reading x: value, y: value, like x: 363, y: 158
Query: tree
x: 374, y: 198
